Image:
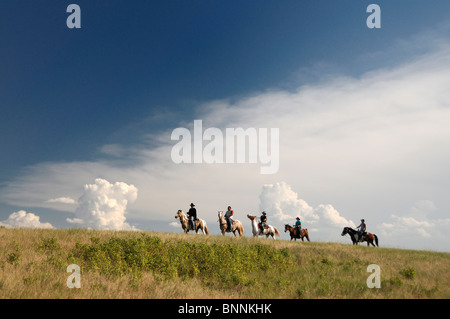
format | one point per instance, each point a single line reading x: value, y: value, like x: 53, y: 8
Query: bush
x: 14, y: 258
x: 408, y: 273
x: 231, y: 263
x: 48, y: 245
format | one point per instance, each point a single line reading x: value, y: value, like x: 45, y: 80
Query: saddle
x: 191, y: 223
x: 232, y: 223
x: 363, y: 236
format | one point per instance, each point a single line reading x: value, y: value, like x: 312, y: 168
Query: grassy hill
x: 167, y: 265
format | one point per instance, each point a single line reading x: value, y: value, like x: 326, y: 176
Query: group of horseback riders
x: 192, y: 214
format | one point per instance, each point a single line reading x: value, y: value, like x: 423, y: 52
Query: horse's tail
x: 376, y: 239
x: 206, y: 228
x: 276, y: 231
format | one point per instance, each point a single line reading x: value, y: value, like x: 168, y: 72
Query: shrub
x: 408, y: 273
x: 14, y: 258
x: 231, y: 263
x: 48, y: 245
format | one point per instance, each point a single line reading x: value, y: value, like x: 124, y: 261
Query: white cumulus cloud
x: 283, y: 205
x: 22, y: 219
x: 103, y: 205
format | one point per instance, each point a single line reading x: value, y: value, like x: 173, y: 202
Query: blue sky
x: 139, y: 68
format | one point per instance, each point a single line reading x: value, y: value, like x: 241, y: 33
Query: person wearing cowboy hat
x: 298, y: 226
x: 362, y: 230
x: 192, y: 214
x: 262, y: 221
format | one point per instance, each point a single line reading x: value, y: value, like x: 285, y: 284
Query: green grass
x: 163, y: 265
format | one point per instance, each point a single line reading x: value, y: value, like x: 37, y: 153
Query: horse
x: 294, y: 233
x: 198, y: 224
x: 268, y: 230
x: 236, y: 225
x: 354, y: 235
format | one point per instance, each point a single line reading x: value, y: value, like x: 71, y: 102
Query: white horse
x: 268, y: 230
x: 198, y: 224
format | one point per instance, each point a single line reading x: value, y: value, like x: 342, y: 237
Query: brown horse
x: 198, y: 224
x: 294, y: 233
x: 236, y: 225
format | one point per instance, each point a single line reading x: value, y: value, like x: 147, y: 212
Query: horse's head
x: 179, y: 214
x: 345, y: 231
x: 251, y: 217
x: 287, y: 227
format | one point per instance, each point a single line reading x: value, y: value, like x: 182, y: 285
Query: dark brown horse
x: 354, y: 235
x: 295, y: 234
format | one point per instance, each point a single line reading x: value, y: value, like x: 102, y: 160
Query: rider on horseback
x: 298, y: 226
x: 228, y: 217
x: 262, y: 221
x: 192, y: 214
x: 362, y: 230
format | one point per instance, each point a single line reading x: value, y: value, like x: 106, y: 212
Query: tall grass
x: 162, y: 265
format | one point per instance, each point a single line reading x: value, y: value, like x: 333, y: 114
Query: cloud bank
x: 62, y: 200
x: 420, y: 224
